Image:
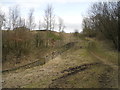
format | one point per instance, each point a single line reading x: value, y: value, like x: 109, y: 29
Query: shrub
x: 17, y: 42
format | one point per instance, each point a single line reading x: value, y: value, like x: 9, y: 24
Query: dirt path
x: 115, y: 67
x: 104, y: 79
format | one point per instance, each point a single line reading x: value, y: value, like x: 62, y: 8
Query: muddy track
x: 30, y: 65
x: 46, y: 58
x: 72, y: 71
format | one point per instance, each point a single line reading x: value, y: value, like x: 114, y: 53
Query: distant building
x: 42, y: 30
x: 21, y: 28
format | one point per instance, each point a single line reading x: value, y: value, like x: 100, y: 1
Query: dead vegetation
x: 73, y: 68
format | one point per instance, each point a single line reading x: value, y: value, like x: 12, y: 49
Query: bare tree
x: 14, y: 15
x: 39, y: 26
x: 9, y: 19
x: 21, y: 22
x: 49, y: 18
x: 61, y: 24
x: 2, y: 18
x: 30, y: 22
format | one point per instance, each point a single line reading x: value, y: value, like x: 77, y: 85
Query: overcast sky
x: 71, y: 11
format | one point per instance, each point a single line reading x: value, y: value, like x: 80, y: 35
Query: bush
x: 21, y: 41
x: 18, y: 42
x: 39, y: 40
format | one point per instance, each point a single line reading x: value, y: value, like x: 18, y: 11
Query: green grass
x: 103, y: 50
x: 53, y: 36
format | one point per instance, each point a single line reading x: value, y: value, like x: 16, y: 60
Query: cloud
x: 3, y: 8
x: 50, y: 1
x: 72, y: 19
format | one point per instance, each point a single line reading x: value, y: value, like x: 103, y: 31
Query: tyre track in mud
x: 74, y: 70
x: 71, y: 71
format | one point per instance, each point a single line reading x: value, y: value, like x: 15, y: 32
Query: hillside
x: 79, y: 63
x: 22, y: 47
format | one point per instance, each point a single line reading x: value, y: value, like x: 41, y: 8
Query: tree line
x: 103, y: 22
x: 14, y: 19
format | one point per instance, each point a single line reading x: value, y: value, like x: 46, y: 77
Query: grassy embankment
x: 77, y: 67
x: 79, y: 71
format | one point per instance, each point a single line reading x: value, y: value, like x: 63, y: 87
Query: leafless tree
x: 61, y: 24
x: 21, y: 22
x: 49, y: 18
x: 10, y: 19
x: 14, y: 16
x: 30, y: 22
x: 39, y: 26
x: 2, y: 19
